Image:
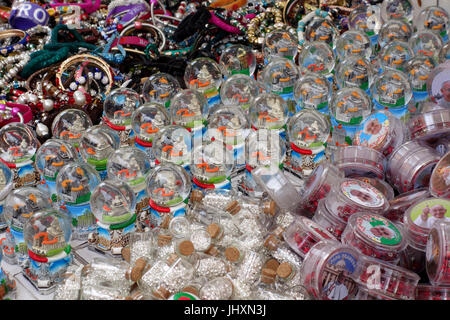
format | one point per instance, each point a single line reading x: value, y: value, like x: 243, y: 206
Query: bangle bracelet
x: 11, y: 34
x: 9, y: 114
x: 222, y: 25
x: 138, y: 25
x: 305, y: 20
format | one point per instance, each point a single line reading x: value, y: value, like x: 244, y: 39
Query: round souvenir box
x: 381, y: 185
x: 430, y: 125
x: 402, y: 202
x: 438, y: 253
x: 359, y: 161
x: 440, y: 178
x: 328, y: 220
x: 429, y: 292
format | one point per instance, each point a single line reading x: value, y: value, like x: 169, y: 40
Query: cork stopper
x: 164, y: 239
x: 186, y: 247
x: 196, y: 196
x: 172, y: 258
x: 232, y: 254
x: 213, y: 230
x: 271, y: 242
x: 284, y: 270
x: 233, y: 207
x: 269, y: 208
x: 138, y: 270
x: 161, y: 293
x: 165, y: 222
x: 191, y: 289
x: 268, y: 275
x: 126, y: 254
x: 272, y: 264
x: 212, y: 251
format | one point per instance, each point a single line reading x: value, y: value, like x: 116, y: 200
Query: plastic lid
x: 405, y: 200
x: 363, y: 194
x: 440, y: 178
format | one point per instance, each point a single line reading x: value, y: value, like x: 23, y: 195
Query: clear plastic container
x: 429, y: 292
x: 374, y: 236
x: 303, y: 234
x: 438, y: 252
x: 412, y: 259
x: 430, y: 125
x: 359, y: 161
x: 387, y: 281
x: 402, y: 202
x: 329, y: 270
x: 440, y: 178
x: 329, y: 221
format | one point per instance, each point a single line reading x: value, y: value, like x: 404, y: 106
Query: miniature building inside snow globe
x: 160, y: 88
x: 353, y: 42
x: 53, y: 155
x: 237, y: 59
x: 394, y: 30
x: 366, y: 18
x: 397, y: 9
x: 313, y: 91
x: 321, y: 29
x: 188, y: 109
x: 173, y: 144
x: 240, y: 90
x: 354, y: 72
x: 70, y: 124
x: 280, y: 43
x: 279, y: 76
x: 269, y: 111
x: 6, y: 185
x: 418, y: 70
x: 395, y: 55
x: 426, y: 43
x: 435, y: 19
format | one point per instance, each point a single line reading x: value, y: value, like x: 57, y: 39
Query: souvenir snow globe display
x: 265, y: 148
x: 269, y: 111
x: 426, y: 43
x: 349, y: 107
x: 321, y: 29
x: 366, y: 18
x: 132, y: 165
x: 279, y: 77
x: 435, y: 19
x: 391, y: 91
x: 237, y: 59
x: 230, y: 125
x: 381, y: 131
x: 118, y: 107
x: 6, y: 185
x: 280, y: 43
x: 173, y: 144
x: 113, y: 203
x: 394, y: 30
x: 204, y: 75
x: 313, y: 91
x: 51, y: 157
x: 239, y: 90
x: 402, y: 10
x: 146, y: 122
x: 355, y: 43
x: 189, y: 109
x: 212, y: 164
x: 395, y: 55
x: 74, y: 185
x: 440, y: 178
x: 47, y: 234
x: 70, y: 124
x: 355, y: 72
x: 19, y: 206
x: 7, y: 285
x: 418, y: 69
x: 308, y: 131
x: 96, y: 145
x: 168, y: 187
x: 18, y: 146
x: 318, y: 57
x: 160, y: 88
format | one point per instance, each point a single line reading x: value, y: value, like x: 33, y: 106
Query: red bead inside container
x: 402, y: 202
x: 359, y: 161
x: 328, y: 271
x: 430, y: 125
x: 303, y: 233
x: 374, y: 236
x: 438, y: 253
x: 319, y: 185
x: 386, y: 281
x: 332, y: 223
x: 427, y: 292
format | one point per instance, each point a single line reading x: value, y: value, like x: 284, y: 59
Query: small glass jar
x: 360, y: 161
x: 430, y: 292
x: 399, y: 204
x: 217, y: 289
x: 430, y: 125
x: 332, y: 223
x: 303, y: 234
x: 387, y: 281
x: 374, y: 236
x: 329, y: 270
x: 440, y: 178
x: 438, y: 251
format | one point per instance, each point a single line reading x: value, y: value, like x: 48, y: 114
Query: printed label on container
x: 336, y: 281
x: 374, y: 132
x: 427, y: 212
x: 379, y: 229
x: 362, y: 194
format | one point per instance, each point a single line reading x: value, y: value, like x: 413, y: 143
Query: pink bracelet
x: 24, y: 110
x: 131, y: 40
x: 222, y: 25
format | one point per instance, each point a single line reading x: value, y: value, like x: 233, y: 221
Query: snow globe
x: 146, y: 122
x: 279, y: 43
x: 318, y: 57
x: 113, y: 204
x: 395, y: 55
x: 19, y: 206
x: 402, y: 10
x: 189, y: 109
x: 173, y: 144
x: 308, y: 131
x: 118, y: 107
x: 239, y: 90
x: 313, y: 91
x: 237, y: 59
x: 355, y: 72
x: 50, y: 158
x: 160, y: 88
x: 229, y: 125
x: 204, y: 75
x: 353, y: 42
x: 47, y: 234
x: 418, y: 70
x: 18, y: 145
x: 74, y: 185
x: 394, y: 30
x: 96, y: 145
x: 265, y: 148
x: 435, y: 19
x: 366, y: 18
x: 70, y: 124
x: 168, y: 187
x: 426, y: 43
x: 6, y: 185
x: 391, y: 90
x: 131, y: 165
x: 321, y: 29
